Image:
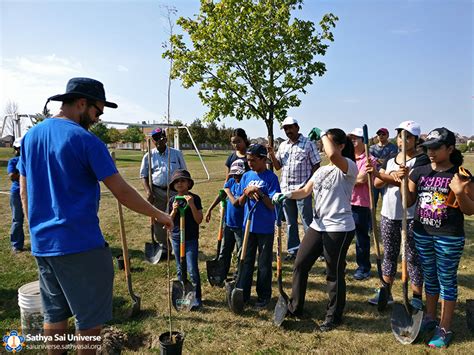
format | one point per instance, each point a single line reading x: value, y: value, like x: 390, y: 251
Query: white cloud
x: 122, y: 68
x: 30, y: 80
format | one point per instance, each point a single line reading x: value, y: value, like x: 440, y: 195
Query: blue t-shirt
x: 234, y: 216
x: 263, y: 221
x: 11, y: 169
x: 63, y: 164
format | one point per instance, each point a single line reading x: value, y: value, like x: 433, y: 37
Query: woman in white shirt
x: 332, y: 230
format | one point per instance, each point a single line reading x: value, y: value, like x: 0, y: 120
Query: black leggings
x: 334, y: 245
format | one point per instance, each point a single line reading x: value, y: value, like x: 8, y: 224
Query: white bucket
x: 31, y: 308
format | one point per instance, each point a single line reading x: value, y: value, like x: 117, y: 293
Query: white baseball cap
x: 289, y: 121
x: 411, y: 127
x: 358, y: 132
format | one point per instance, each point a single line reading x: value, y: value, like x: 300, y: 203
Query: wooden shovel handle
x: 404, y: 189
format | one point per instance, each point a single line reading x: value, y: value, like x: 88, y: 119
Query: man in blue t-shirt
x: 17, y: 236
x: 259, y: 185
x: 60, y: 167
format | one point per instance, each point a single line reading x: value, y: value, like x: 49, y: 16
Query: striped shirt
x: 159, y: 164
x: 297, y: 161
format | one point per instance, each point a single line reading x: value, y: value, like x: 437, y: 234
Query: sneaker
x: 329, y: 325
x: 290, y: 257
x: 17, y: 250
x: 262, y: 303
x: 321, y: 258
x: 441, y: 338
x: 375, y: 299
x: 361, y: 275
x: 428, y: 324
x: 417, y: 303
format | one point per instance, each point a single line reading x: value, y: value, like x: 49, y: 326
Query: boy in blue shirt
x: 234, y: 215
x: 181, y: 182
x: 259, y: 185
x: 17, y: 236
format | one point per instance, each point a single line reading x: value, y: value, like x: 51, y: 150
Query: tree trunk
x: 269, y: 123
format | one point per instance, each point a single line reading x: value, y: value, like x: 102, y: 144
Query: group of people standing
x: 342, y: 210
x: 61, y: 164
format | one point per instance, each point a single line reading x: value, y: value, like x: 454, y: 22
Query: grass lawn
x: 215, y: 329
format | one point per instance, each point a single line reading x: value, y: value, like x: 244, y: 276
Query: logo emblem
x: 13, y: 342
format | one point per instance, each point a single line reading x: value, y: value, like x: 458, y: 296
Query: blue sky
x: 391, y: 61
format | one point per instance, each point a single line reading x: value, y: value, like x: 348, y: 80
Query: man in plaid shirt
x: 298, y: 158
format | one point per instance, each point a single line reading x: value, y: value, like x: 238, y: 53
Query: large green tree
x: 251, y: 58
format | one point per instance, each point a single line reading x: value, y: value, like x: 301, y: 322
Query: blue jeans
x: 292, y: 208
x: 264, y: 244
x: 361, y: 218
x: 17, y: 236
x: 377, y: 194
x: 232, y: 236
x: 191, y: 249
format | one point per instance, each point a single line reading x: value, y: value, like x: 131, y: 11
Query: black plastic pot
x: 174, y: 347
x: 120, y: 262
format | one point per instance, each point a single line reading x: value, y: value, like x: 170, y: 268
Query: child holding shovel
x: 439, y: 229
x: 391, y: 221
x: 234, y: 215
x: 181, y: 182
x: 332, y: 229
x: 259, y: 186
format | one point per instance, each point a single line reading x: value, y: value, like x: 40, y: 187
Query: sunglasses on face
x: 381, y: 134
x: 99, y: 112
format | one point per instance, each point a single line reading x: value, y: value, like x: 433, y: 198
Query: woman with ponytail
x: 332, y: 230
x: 438, y: 231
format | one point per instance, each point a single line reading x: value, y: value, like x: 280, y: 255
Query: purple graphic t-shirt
x: 432, y: 215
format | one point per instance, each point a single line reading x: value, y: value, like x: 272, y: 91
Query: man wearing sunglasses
x: 61, y: 164
x: 382, y: 151
x: 160, y: 176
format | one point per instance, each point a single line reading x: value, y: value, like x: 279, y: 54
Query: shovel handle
x: 404, y: 188
x: 247, y: 232
x: 123, y: 237
x: 221, y: 224
x: 371, y: 195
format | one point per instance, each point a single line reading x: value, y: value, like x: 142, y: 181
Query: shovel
x: 183, y: 292
x: 215, y: 267
x: 406, y: 320
x: 384, y: 290
x: 235, y: 295
x: 281, y: 307
x: 153, y: 250
x: 136, y: 300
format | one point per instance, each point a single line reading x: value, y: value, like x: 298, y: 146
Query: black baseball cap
x: 438, y: 137
x: 158, y: 133
x: 257, y: 149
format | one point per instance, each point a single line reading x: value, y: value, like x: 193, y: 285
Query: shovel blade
x: 281, y: 308
x: 215, y: 272
x: 405, y: 326
x: 153, y: 252
x: 383, y: 298
x: 183, y: 295
x: 237, y: 300
x: 229, y: 287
